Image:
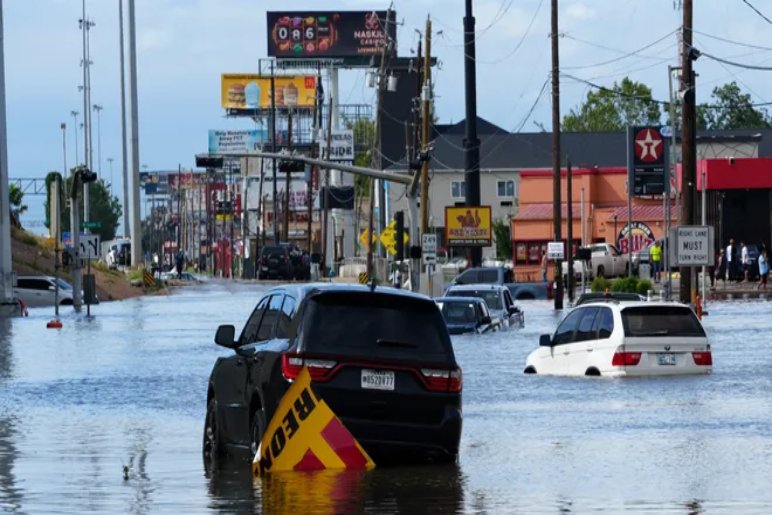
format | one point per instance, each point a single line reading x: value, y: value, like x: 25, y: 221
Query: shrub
x: 644, y: 285
x: 600, y: 284
x: 631, y: 285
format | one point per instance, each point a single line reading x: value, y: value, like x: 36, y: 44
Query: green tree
x: 730, y: 108
x: 364, y: 138
x: 613, y: 109
x: 16, y: 196
x: 501, y: 233
x: 104, y: 209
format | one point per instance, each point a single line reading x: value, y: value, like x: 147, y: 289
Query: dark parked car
x: 467, y: 315
x: 283, y: 261
x: 381, y: 359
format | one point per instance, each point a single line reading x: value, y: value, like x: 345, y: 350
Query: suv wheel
x: 256, y: 431
x: 212, y: 448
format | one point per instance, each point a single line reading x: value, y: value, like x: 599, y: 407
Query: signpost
x: 429, y: 256
x: 692, y: 245
x: 555, y: 250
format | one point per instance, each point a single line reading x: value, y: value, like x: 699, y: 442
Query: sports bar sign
x: 330, y: 34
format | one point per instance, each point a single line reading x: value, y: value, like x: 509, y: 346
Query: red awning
x: 544, y: 211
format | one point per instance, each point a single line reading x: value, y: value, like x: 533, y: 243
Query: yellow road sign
x: 363, y: 277
x: 363, y: 238
x: 304, y: 434
x: 388, y: 237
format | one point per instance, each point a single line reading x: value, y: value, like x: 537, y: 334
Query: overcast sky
x: 184, y: 46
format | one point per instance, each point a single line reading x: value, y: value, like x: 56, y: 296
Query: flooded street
x: 124, y: 394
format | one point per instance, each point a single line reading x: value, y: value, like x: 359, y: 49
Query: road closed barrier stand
x: 304, y: 434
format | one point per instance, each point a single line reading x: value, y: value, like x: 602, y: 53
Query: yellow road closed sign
x: 304, y: 434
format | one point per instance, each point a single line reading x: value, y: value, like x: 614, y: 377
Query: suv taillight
x: 703, y: 359
x: 320, y: 369
x: 625, y: 359
x: 441, y: 380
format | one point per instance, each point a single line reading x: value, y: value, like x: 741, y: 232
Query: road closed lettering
x: 304, y: 434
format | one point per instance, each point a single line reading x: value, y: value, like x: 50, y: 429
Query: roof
x: 483, y: 127
x: 460, y: 299
x: 476, y: 286
x: 643, y: 212
x: 544, y: 211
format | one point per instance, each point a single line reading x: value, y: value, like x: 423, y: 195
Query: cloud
x: 580, y: 11
x: 153, y: 39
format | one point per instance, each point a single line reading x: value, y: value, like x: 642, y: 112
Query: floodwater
x: 127, y: 389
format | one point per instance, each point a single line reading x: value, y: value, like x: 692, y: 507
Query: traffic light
x: 207, y: 161
x: 87, y: 175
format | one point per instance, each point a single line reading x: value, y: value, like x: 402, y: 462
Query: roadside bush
x: 631, y: 285
x: 644, y: 285
x: 600, y: 284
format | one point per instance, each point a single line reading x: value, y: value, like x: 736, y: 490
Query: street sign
x: 693, y: 245
x: 91, y: 225
x: 388, y: 237
x: 555, y: 250
x: 89, y: 246
x: 429, y: 249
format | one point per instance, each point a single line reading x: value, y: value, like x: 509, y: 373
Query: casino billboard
x: 330, y: 34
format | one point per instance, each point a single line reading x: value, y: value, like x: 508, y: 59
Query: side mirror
x: 486, y: 319
x: 545, y: 340
x: 513, y: 310
x: 225, y: 335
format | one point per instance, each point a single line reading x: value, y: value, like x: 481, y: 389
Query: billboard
x: 249, y: 91
x: 330, y: 34
x: 223, y: 142
x: 468, y: 226
x: 341, y: 146
x: 647, y: 161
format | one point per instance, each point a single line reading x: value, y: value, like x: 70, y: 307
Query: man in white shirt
x: 745, y: 259
x: 729, y: 256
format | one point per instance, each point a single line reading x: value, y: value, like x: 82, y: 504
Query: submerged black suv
x: 381, y: 359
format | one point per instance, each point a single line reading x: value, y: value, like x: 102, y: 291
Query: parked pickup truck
x: 503, y: 275
x: 605, y: 261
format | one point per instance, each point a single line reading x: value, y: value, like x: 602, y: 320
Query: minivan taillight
x: 320, y: 369
x: 625, y: 359
x: 703, y: 359
x: 441, y: 380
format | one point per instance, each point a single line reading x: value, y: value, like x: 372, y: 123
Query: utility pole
x: 326, y: 207
x: 314, y: 153
x: 6, y: 267
x: 556, y: 151
x: 136, y: 226
x: 471, y: 141
x: 570, y: 233
x: 287, y: 178
x: 425, y: 122
x: 85, y: 26
x: 125, y: 165
x: 688, y: 142
x: 273, y: 162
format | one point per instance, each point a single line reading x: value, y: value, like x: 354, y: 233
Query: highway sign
x: 91, y: 225
x: 429, y: 249
x: 555, y: 250
x: 89, y: 246
x: 693, y: 245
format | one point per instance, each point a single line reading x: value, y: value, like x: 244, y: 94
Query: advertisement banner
x: 468, y: 226
x: 341, y: 146
x: 330, y: 34
x: 223, y: 142
x: 249, y: 91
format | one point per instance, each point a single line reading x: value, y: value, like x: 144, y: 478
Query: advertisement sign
x: 248, y: 91
x: 642, y: 237
x: 330, y: 34
x: 647, y: 162
x: 223, y: 142
x: 468, y: 226
x: 341, y: 146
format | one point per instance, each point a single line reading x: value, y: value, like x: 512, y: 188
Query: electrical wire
x: 731, y: 41
x: 733, y: 63
x: 735, y: 76
x: 746, y: 2
x: 625, y: 55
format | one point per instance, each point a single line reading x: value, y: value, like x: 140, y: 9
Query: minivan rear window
x: 661, y: 321
x: 370, y: 324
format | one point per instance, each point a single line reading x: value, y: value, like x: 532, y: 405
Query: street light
x: 75, y: 129
x: 98, y: 108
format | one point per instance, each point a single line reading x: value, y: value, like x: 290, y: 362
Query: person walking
x: 729, y: 256
x: 745, y: 260
x: 763, y: 268
x: 655, y: 256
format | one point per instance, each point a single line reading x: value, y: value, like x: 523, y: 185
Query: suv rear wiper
x: 661, y: 332
x: 395, y: 343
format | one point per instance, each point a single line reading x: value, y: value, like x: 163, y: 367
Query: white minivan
x: 624, y: 339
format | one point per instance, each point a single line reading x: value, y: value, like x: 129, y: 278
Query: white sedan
x: 624, y: 339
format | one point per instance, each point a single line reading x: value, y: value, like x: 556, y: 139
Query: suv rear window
x: 274, y: 251
x: 491, y: 297
x: 661, y: 321
x: 370, y: 324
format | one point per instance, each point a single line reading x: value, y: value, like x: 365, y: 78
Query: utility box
x: 89, y: 289
x: 644, y: 271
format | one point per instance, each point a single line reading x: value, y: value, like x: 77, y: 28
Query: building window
x: 505, y: 189
x: 458, y: 189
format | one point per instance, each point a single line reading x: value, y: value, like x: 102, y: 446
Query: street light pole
x: 98, y: 108
x: 75, y: 130
x: 110, y: 161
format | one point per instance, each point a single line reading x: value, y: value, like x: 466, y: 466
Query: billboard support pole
x: 273, y: 149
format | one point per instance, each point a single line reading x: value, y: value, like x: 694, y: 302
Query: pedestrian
x: 745, y: 259
x: 655, y: 256
x: 720, y: 268
x: 544, y: 263
x: 730, y: 261
x: 763, y: 268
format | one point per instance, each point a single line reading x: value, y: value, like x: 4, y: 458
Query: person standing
x: 763, y: 268
x: 745, y: 259
x: 655, y: 255
x: 721, y: 266
x: 544, y: 266
x: 729, y: 256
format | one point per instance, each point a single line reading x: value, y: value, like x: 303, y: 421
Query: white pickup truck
x: 605, y: 261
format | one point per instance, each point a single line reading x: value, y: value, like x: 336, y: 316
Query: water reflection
x: 135, y: 470
x: 10, y: 493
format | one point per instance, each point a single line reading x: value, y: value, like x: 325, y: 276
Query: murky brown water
x: 128, y: 389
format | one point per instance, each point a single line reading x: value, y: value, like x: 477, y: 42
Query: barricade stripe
x: 344, y: 445
x: 309, y: 462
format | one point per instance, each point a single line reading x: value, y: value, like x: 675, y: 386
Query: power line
x: 624, y: 56
x: 731, y: 41
x: 739, y: 65
x: 746, y: 2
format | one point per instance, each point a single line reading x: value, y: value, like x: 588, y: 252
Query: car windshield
x: 64, y: 284
x: 491, y: 297
x: 459, y: 312
x: 661, y: 321
x: 375, y: 325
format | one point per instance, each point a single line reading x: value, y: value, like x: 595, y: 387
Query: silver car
x: 39, y: 290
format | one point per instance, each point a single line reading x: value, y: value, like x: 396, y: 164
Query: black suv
x: 283, y: 261
x: 381, y: 359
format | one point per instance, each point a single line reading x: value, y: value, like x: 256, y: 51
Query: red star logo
x: 648, y: 146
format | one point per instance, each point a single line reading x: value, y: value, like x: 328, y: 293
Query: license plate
x: 377, y: 379
x: 666, y: 358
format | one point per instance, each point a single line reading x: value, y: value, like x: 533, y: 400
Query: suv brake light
x: 625, y: 359
x: 439, y: 380
x: 320, y: 369
x: 703, y: 359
